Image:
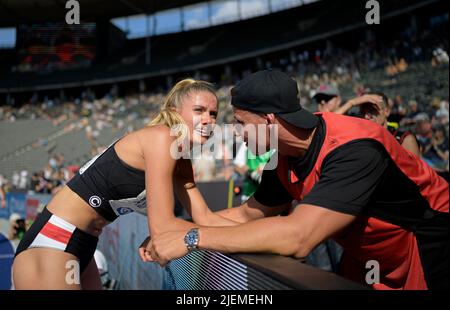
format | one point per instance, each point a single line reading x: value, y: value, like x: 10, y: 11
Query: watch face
x: 191, y: 239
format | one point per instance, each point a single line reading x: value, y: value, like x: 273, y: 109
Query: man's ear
x: 270, y: 118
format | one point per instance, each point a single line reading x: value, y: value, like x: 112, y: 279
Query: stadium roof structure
x: 14, y: 12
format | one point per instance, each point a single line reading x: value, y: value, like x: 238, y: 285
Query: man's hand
x: 168, y: 246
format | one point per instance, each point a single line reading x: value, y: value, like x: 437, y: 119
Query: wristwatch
x: 191, y: 239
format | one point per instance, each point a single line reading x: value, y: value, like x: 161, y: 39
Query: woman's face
x: 199, y: 111
x: 328, y: 103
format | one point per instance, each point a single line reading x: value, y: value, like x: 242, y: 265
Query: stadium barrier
x: 199, y: 270
x: 206, y: 270
x: 26, y: 204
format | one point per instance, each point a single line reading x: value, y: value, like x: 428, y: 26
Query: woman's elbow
x: 203, y: 219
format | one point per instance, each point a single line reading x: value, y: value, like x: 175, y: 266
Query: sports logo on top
x: 124, y: 210
x: 95, y: 201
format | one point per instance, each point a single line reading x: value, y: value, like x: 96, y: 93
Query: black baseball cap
x: 271, y: 91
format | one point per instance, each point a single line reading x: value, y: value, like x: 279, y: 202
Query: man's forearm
x: 269, y: 235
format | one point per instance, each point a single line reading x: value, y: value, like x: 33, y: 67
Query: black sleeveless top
x: 109, y: 185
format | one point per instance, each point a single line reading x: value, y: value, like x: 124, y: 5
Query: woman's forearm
x: 171, y: 224
x: 214, y: 219
x: 200, y: 212
x: 345, y: 107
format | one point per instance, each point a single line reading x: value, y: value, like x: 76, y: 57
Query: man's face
x: 246, y: 126
x: 369, y: 112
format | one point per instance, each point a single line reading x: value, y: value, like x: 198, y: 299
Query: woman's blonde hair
x: 168, y: 115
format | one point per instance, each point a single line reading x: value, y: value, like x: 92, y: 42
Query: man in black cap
x: 354, y: 183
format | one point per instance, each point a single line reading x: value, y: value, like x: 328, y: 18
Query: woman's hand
x: 168, y: 246
x: 145, y: 250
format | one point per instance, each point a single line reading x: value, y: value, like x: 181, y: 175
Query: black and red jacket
x: 410, y: 253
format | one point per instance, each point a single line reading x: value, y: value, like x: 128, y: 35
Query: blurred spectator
x: 2, y: 192
x: 204, y: 166
x: 251, y: 168
x: 413, y: 109
x: 15, y: 179
x: 34, y: 182
x: 442, y: 114
x: 23, y: 180
x: 72, y: 170
x: 327, y: 98
x: 402, y: 65
x: 437, y: 152
x: 440, y: 57
x: 102, y: 265
x: 379, y: 112
x: 423, y: 129
x: 17, y: 227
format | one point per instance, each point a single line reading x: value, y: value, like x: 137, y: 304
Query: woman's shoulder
x: 156, y: 136
x: 156, y: 132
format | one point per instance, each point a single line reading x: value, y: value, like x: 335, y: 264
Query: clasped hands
x: 163, y: 247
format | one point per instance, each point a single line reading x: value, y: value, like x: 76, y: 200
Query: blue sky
x: 7, y: 37
x: 194, y: 16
